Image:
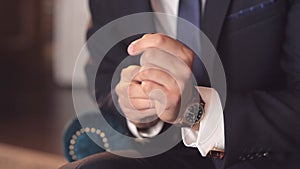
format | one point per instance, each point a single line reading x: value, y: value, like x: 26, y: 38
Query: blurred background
x: 40, y: 41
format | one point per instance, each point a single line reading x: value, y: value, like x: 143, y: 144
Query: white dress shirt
x: 211, y: 130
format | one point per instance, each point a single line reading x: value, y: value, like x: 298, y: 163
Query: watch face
x: 190, y: 117
x: 193, y: 113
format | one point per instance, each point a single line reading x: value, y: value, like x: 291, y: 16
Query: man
x: 259, y: 45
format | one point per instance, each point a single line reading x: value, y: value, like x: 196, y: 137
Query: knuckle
x: 121, y: 89
x: 188, y: 52
x: 146, y: 35
x: 126, y: 72
x: 117, y: 89
x: 123, y: 72
x: 159, y: 39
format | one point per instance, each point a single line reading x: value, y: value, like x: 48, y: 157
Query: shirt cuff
x: 211, y: 126
x: 150, y: 132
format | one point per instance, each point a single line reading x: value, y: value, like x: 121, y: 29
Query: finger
x: 136, y: 96
x: 151, y: 89
x: 157, y: 58
x: 157, y: 93
x: 131, y: 89
x: 136, y: 91
x: 142, y: 104
x: 161, y: 97
x: 135, y: 104
x: 129, y: 72
x: 156, y: 76
x: 164, y: 43
x: 121, y: 88
x: 126, y: 79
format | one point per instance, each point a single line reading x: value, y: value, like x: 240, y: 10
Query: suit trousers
x: 179, y: 157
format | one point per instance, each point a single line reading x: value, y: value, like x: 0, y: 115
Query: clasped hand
x: 162, y: 86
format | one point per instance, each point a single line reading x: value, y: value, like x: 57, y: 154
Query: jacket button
x: 242, y: 158
x: 258, y: 155
x: 265, y: 154
x: 249, y: 156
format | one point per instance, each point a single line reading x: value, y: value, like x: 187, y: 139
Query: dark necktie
x: 190, y: 10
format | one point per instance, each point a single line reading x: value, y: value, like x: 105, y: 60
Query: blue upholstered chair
x: 80, y: 142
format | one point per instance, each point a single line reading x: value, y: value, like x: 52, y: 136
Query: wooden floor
x: 33, y: 109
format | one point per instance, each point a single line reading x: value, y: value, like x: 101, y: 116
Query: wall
x: 71, y: 18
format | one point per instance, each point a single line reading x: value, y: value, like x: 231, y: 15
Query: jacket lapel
x: 213, y: 19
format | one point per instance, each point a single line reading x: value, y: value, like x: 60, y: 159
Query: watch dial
x: 190, y: 117
x: 193, y: 114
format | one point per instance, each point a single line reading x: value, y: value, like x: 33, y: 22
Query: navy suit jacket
x: 259, y: 44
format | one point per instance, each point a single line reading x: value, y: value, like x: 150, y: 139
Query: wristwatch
x: 193, y: 114
x: 192, y: 117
